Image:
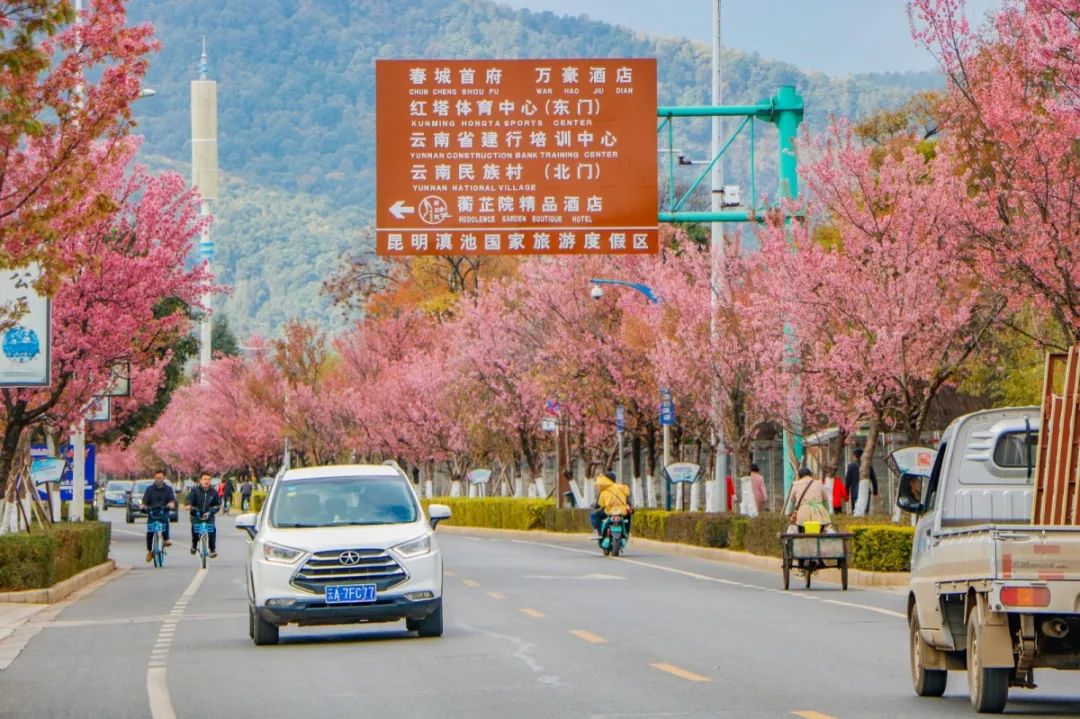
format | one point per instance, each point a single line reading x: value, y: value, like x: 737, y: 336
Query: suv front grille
x: 375, y: 566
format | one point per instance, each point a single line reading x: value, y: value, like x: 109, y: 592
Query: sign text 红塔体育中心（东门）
x: 516, y: 157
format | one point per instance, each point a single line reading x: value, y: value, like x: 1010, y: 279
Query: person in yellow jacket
x: 611, y: 498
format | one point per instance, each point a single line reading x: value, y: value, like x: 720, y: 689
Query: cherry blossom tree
x: 121, y: 301
x: 881, y: 304
x: 1010, y: 127
x: 65, y: 96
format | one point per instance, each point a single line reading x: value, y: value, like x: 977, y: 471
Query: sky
x: 838, y: 37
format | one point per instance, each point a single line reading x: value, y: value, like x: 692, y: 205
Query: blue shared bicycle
x: 155, y: 524
x: 203, y: 529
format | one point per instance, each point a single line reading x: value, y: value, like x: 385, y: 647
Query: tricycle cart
x: 811, y: 552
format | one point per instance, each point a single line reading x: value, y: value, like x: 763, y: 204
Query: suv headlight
x: 279, y: 554
x: 415, y: 547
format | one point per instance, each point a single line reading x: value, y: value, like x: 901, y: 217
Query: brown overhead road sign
x: 516, y: 157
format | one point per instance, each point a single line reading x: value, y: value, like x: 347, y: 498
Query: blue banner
x: 40, y: 451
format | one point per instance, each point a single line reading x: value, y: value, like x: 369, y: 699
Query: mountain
x: 296, y: 96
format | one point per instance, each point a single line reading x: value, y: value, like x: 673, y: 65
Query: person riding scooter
x: 611, y: 498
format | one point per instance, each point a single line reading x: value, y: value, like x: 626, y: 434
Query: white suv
x: 343, y: 544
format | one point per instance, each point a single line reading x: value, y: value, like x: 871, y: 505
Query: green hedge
x: 45, y: 557
x: 882, y: 548
x: 876, y: 546
x: 90, y: 512
x: 257, y: 499
x: 496, y: 512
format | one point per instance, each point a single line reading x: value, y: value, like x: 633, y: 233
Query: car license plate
x: 350, y: 593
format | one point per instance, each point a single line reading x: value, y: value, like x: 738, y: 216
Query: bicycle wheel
x: 204, y: 548
x: 159, y: 550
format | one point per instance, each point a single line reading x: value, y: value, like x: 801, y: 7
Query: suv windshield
x: 141, y: 486
x: 342, y: 501
x: 117, y: 486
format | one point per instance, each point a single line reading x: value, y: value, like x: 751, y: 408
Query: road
x: 534, y: 629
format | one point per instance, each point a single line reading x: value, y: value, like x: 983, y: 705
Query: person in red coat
x: 839, y: 495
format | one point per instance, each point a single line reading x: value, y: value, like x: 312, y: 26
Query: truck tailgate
x: 1038, y: 553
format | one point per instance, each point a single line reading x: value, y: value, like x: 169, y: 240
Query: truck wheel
x: 787, y: 575
x: 843, y: 575
x: 264, y: 632
x: 431, y: 625
x: 989, y: 688
x: 129, y: 518
x: 251, y: 622
x: 926, y: 682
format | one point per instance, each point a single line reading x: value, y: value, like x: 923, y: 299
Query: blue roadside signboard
x: 620, y: 419
x: 667, y: 408
x: 40, y: 452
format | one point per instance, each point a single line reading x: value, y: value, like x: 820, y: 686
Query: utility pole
x: 717, y: 278
x: 204, y: 176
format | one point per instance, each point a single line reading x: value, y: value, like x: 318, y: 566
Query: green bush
x: 45, y: 557
x: 495, y: 512
x: 27, y: 561
x: 257, y: 500
x: 90, y: 512
x: 566, y: 520
x: 882, y: 548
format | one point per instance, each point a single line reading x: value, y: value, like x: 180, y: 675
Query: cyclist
x: 159, y: 495
x: 204, y: 503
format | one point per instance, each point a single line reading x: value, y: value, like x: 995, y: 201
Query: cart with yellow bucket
x: 810, y: 550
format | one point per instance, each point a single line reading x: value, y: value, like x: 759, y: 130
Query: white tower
x: 204, y: 176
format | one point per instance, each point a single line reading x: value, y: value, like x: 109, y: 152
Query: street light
x: 596, y: 293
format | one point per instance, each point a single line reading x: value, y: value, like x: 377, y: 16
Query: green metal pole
x: 789, y: 113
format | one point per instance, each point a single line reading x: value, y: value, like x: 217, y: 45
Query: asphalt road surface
x: 533, y: 629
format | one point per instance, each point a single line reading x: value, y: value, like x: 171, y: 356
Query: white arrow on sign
x: 399, y: 209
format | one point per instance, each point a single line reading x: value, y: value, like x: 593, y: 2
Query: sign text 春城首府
x: 518, y: 157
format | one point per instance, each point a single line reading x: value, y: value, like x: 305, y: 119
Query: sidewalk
x: 21, y: 620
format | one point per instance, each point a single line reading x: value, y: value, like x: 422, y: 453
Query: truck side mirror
x: 909, y: 504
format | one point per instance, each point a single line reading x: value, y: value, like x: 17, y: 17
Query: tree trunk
x: 635, y: 457
x: 650, y: 450
x: 13, y: 430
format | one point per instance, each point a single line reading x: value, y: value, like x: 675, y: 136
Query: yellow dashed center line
x: 588, y: 636
x: 448, y: 573
x: 470, y: 583
x: 807, y: 714
x: 496, y: 595
x: 681, y: 673
x: 532, y: 613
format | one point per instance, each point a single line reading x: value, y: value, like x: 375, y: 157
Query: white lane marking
x: 157, y: 685
x: 728, y: 582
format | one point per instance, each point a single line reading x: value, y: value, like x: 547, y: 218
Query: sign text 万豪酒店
x: 516, y: 157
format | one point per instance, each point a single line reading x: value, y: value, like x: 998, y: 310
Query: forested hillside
x: 296, y: 114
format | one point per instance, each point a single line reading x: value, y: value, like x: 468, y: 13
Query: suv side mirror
x: 437, y: 513
x: 246, y: 522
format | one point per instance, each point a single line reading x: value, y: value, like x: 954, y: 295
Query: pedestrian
x: 807, y: 501
x: 757, y: 483
x: 245, y: 494
x: 226, y: 489
x: 855, y: 487
x: 839, y: 495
